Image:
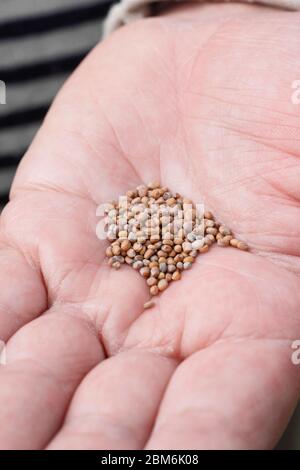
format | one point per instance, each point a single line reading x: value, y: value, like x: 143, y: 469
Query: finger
x: 115, y: 406
x: 22, y: 292
x: 233, y: 395
x: 46, y: 360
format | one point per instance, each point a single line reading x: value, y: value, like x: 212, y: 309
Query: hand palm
x: 197, y: 105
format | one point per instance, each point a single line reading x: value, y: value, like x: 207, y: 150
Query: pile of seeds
x: 160, y: 234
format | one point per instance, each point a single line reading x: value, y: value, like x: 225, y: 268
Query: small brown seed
x: 234, y: 242
x: 176, y: 276
x: 210, y: 239
x: 187, y: 246
x: 155, y: 272
x: 162, y: 285
x: 116, y: 250
x: 162, y: 259
x: 145, y: 272
x: 179, y: 265
x: 171, y: 201
x: 163, y: 267
x: 155, y: 193
x: 168, y: 241
x: 161, y: 275
x: 209, y: 223
x: 153, y: 264
x: 168, y: 277
x: 154, y: 185
x: 208, y: 215
x: 178, y: 248
x: 151, y: 281
x: 125, y: 245
x: 131, y: 253
x: 242, y: 246
x: 138, y: 265
x: 188, y: 259
x: 178, y: 257
x: 142, y: 190
x: 204, y: 249
x: 149, y: 304
x: 109, y: 252
x: 187, y: 265
x: 161, y: 254
x: 123, y: 234
x: 211, y: 230
x: 154, y: 290
x: 137, y: 247
x: 197, y: 244
x: 224, y: 230
x: 148, y: 254
x: 166, y: 248
x: 128, y: 260
x: 116, y: 265
x: 171, y: 268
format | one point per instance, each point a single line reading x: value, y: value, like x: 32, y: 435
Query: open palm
x: 199, y: 99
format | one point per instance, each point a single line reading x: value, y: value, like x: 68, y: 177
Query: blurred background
x: 41, y: 43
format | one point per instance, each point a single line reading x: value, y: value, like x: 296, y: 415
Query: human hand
x: 201, y: 100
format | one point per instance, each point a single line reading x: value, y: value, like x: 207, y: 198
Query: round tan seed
x: 109, y: 252
x: 242, y: 246
x: 224, y: 230
x: 162, y: 285
x: 137, y: 265
x: 123, y: 234
x: 116, y: 265
x: 149, y: 304
x: 148, y: 254
x: 154, y: 290
x: 151, y: 281
x: 176, y: 276
x: 125, y: 245
x: 145, y: 272
x: 154, y: 185
x: 155, y: 272
x: 188, y: 259
x: 142, y: 190
x: 131, y: 253
x: 208, y: 215
x: 187, y: 246
x: 171, y: 268
x: 234, y: 242
x: 116, y: 250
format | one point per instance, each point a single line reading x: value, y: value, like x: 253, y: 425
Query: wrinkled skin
x: 200, y: 99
